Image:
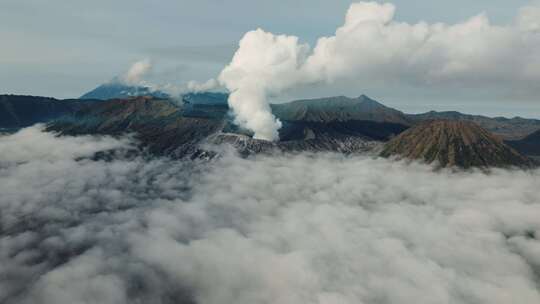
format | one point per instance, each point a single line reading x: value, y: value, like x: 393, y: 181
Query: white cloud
x: 135, y: 74
x: 32, y: 143
x: 195, y: 86
x: 323, y: 228
x: 529, y: 18
x: 372, y: 48
x: 264, y: 64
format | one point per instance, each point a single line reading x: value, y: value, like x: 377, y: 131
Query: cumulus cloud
x: 372, y: 47
x: 303, y: 228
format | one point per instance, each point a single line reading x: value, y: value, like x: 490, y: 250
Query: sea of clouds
x: 304, y: 228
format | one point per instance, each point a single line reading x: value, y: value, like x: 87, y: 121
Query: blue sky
x: 63, y: 48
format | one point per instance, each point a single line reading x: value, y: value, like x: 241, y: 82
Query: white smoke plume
x: 371, y: 47
x: 264, y: 64
x: 196, y: 87
x: 304, y: 228
x: 135, y: 74
x: 192, y: 86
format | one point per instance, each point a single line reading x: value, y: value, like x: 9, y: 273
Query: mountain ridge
x: 167, y: 127
x: 116, y: 89
x: 19, y: 111
x: 344, y: 108
x: 338, y: 108
x: 163, y: 129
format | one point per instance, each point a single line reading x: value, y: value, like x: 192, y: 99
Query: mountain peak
x: 366, y: 98
x: 338, y: 108
x: 454, y: 143
x: 116, y: 89
x: 368, y: 102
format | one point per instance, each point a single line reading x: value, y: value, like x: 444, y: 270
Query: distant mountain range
x: 336, y: 109
x: 348, y: 125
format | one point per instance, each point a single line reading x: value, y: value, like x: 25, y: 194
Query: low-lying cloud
x: 306, y: 228
x: 373, y: 48
x: 33, y: 143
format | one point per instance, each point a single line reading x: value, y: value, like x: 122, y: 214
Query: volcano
x: 451, y: 143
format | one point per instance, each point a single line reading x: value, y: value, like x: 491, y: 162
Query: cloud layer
x: 33, y: 144
x: 301, y: 228
x: 371, y: 47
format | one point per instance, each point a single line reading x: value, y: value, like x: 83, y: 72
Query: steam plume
x: 264, y: 64
x: 195, y: 86
x: 134, y: 75
x: 371, y: 47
